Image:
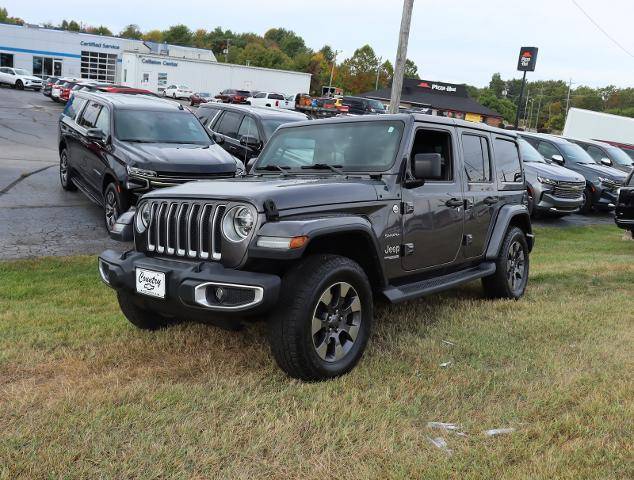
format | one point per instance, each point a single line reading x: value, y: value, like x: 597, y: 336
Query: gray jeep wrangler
x: 333, y: 214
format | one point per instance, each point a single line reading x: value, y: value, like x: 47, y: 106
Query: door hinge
x: 407, y: 208
x: 407, y: 249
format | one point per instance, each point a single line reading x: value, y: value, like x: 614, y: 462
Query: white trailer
x: 604, y: 127
x: 156, y: 72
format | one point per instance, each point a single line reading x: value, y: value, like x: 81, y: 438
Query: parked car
x: 624, y: 214
x: 19, y: 78
x: 115, y: 147
x: 199, y: 97
x: 267, y: 99
x: 47, y: 85
x: 289, y: 104
x: 64, y: 92
x: 56, y: 88
x: 363, y: 106
x: 602, y: 181
x: 551, y: 188
x: 231, y: 95
x: 606, y: 154
x: 178, y: 91
x: 243, y: 130
x: 337, y: 213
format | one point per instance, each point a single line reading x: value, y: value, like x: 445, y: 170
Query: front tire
x: 19, y: 85
x: 114, y: 204
x: 324, y: 318
x: 586, y: 206
x: 512, y: 267
x: 141, y: 317
x: 65, y: 177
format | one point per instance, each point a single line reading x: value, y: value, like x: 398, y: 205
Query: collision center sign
x: 527, y: 60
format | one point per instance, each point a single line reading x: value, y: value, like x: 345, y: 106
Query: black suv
x: 243, y: 130
x: 602, y: 181
x: 114, y: 147
x: 624, y: 214
x: 336, y: 213
x: 606, y: 154
x: 363, y: 106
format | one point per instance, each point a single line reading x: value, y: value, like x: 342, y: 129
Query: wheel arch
x: 508, y: 217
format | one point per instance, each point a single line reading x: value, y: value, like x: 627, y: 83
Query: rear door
x: 433, y: 214
x: 248, y: 128
x: 86, y: 147
x: 480, y: 191
x: 227, y: 128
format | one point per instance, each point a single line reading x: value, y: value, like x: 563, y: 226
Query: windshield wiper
x: 324, y: 166
x: 273, y: 168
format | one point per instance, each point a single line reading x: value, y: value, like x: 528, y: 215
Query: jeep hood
x: 287, y: 192
x: 178, y: 158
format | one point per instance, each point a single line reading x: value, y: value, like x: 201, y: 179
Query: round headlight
x: 237, y: 223
x: 142, y: 218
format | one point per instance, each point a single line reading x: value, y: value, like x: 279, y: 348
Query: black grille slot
x: 185, y: 229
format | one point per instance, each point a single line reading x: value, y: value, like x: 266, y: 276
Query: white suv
x: 268, y: 99
x: 19, y: 78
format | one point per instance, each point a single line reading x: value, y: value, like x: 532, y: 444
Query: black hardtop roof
x: 407, y: 117
x: 260, y: 112
x: 133, y: 102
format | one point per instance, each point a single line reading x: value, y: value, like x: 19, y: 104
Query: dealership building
x: 439, y: 98
x: 136, y: 63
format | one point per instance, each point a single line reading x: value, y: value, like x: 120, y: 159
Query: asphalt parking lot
x: 38, y: 218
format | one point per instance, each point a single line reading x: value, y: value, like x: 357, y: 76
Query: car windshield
x: 620, y: 157
x: 270, y: 125
x: 159, y: 127
x: 21, y: 71
x: 529, y: 154
x: 204, y: 94
x: 244, y: 93
x: 353, y: 146
x: 575, y: 153
x: 376, y: 105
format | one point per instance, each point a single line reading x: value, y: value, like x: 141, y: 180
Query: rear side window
x: 507, y: 161
x: 276, y: 96
x: 89, y: 117
x: 73, y: 107
x: 103, y: 121
x: 260, y: 95
x: 229, y: 124
x: 547, y: 150
x: 477, y: 165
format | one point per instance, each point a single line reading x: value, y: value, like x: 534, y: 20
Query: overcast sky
x: 462, y: 41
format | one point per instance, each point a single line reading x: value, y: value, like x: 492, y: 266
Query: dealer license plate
x: 150, y: 283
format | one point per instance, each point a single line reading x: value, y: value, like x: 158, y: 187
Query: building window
x: 162, y: 81
x: 98, y: 66
x: 6, y: 60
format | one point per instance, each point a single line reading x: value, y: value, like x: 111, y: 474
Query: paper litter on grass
x: 445, y: 364
x: 498, y: 431
x: 440, y: 443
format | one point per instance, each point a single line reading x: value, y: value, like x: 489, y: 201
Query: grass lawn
x: 83, y: 394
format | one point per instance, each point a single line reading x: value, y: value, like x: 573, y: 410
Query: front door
x: 433, y: 214
x: 480, y: 192
x: 227, y: 128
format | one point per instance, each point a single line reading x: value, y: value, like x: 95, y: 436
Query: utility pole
x: 568, y: 98
x: 378, y: 72
x: 528, y: 96
x: 519, y: 101
x: 332, y: 71
x: 401, y: 56
x: 539, y: 106
x: 227, y: 51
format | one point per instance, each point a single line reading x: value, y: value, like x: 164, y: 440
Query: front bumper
x: 191, y: 287
x: 604, y: 199
x: 550, y: 203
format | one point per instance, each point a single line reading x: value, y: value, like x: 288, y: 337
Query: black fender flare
x: 507, y: 215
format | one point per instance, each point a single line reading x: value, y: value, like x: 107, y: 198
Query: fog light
x: 103, y: 272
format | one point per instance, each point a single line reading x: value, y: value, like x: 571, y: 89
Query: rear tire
x: 65, y: 176
x: 141, y: 317
x: 114, y: 204
x: 323, y: 320
x: 512, y: 268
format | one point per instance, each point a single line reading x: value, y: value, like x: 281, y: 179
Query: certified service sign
x: 527, y: 60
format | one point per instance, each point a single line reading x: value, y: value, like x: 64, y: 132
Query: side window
x: 547, y: 150
x: 435, y: 141
x: 73, y: 107
x: 596, y: 153
x: 248, y: 128
x: 229, y: 124
x: 89, y: 117
x: 477, y: 162
x: 276, y: 96
x: 103, y: 121
x: 260, y: 95
x: 507, y: 161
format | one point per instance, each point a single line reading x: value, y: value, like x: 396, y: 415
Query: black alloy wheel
x: 114, y: 204
x: 516, y: 267
x: 64, y: 172
x: 511, y: 268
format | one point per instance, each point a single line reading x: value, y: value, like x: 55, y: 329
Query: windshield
x: 376, y: 105
x: 159, y: 127
x: 21, y: 71
x: 243, y: 93
x: 271, y: 125
x: 575, y: 153
x: 529, y: 154
x: 619, y: 156
x: 354, y: 146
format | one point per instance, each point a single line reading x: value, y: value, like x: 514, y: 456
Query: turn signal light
x: 298, y: 242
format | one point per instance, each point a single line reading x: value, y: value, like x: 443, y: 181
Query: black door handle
x: 491, y: 200
x: 454, y: 203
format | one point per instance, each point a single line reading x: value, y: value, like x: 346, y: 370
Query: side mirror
x: 427, y: 166
x: 218, y: 139
x: 95, y: 134
x: 606, y: 161
x: 251, y: 142
x: 558, y: 159
x: 250, y: 164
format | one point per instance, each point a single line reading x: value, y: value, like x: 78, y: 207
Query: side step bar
x: 86, y: 191
x: 409, y: 291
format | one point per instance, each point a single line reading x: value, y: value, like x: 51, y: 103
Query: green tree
x: 5, y: 18
x: 358, y: 73
x: 73, y: 26
x: 258, y: 55
x: 556, y: 123
x: 411, y: 70
x: 178, y: 35
x: 153, y: 36
x: 288, y: 41
x: 200, y: 38
x: 131, y: 31
x: 100, y: 30
x: 503, y: 106
x: 497, y: 85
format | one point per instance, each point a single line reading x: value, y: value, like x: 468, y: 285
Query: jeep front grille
x: 185, y: 229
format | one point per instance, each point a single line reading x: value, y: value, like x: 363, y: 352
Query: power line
x: 601, y: 29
